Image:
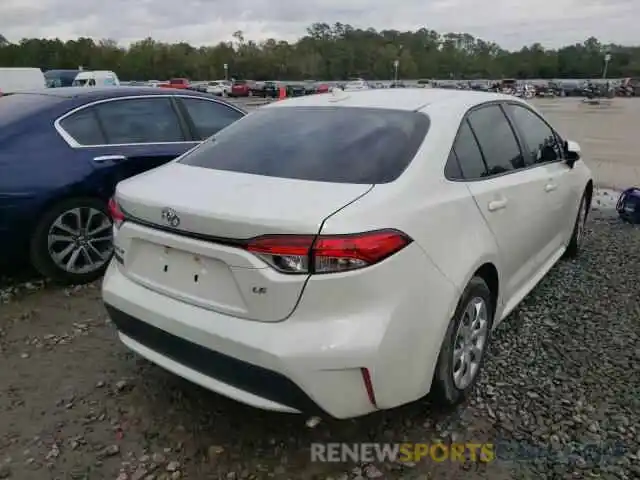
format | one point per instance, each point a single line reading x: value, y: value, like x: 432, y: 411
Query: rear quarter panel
x: 446, y: 225
x: 38, y: 167
x: 440, y: 215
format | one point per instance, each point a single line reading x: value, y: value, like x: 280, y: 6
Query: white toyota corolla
x: 346, y: 252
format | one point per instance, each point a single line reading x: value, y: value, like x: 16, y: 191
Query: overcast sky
x: 199, y: 22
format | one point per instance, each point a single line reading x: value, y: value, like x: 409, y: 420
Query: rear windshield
x: 16, y: 106
x: 326, y: 144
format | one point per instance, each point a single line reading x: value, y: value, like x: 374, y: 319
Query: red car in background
x: 181, y: 83
x: 241, y: 88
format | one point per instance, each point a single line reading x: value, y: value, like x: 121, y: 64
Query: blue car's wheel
x: 73, y: 241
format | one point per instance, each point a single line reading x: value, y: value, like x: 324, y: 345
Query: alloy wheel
x: 80, y: 240
x: 470, y: 342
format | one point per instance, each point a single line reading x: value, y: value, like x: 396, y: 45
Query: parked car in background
x: 63, y: 150
x: 356, y: 84
x: 479, y: 86
x: 353, y: 259
x: 310, y: 87
x: 19, y: 79
x: 269, y: 89
x: 629, y: 87
x: 60, y: 78
x: 96, y: 78
x: 296, y: 89
x: 222, y: 88
x: 180, y: 83
x: 256, y: 89
x: 198, y: 86
x: 547, y: 89
x: 241, y: 88
x: 323, y: 88
x: 570, y: 88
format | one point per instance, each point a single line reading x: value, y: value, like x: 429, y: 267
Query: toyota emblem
x: 170, y: 216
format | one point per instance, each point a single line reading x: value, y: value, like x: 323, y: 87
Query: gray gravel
x: 565, y: 370
x: 561, y: 388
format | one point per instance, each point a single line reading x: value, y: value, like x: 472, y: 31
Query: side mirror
x: 572, y: 151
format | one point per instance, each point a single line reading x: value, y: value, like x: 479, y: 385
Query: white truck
x: 21, y: 79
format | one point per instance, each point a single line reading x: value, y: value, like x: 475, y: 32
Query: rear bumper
x: 270, y: 389
x: 312, y: 362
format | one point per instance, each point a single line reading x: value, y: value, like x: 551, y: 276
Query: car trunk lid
x: 188, y: 226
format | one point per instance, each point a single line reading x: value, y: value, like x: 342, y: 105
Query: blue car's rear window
x: 16, y: 106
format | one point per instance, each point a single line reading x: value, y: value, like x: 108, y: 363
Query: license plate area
x: 193, y: 277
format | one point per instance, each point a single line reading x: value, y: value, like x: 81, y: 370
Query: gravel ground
x: 562, y: 375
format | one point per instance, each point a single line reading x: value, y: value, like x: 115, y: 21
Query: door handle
x: 495, y: 205
x: 109, y: 158
x: 550, y: 187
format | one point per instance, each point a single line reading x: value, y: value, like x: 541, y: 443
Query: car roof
x: 400, y: 99
x: 97, y: 93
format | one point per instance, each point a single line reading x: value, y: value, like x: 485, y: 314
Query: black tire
x: 573, y: 249
x: 444, y: 391
x: 42, y: 259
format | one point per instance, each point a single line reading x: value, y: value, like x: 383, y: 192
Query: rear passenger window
x: 452, y: 169
x: 541, y: 142
x: 496, y: 139
x: 140, y: 120
x: 209, y: 117
x: 83, y: 127
x: 468, y: 153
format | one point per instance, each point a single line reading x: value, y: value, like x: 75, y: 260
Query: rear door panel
x: 511, y: 197
x: 519, y: 226
x: 117, y: 163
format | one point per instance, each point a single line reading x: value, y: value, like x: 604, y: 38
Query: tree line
x: 327, y: 52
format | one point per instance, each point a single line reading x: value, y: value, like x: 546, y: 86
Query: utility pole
x: 607, y: 59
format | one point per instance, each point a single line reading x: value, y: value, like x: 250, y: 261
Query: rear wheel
x: 463, y: 350
x: 573, y: 249
x: 73, y: 241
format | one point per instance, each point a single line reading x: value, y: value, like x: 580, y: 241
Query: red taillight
x: 327, y: 253
x: 115, y: 213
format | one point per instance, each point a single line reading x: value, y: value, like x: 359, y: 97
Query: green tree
x: 327, y: 52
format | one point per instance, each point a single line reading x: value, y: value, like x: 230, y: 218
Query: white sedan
x: 219, y: 87
x: 354, y: 258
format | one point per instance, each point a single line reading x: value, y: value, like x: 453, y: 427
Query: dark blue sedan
x: 63, y: 150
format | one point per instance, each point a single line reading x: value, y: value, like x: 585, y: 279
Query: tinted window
x: 452, y: 168
x: 541, y: 142
x: 329, y: 144
x: 84, y: 127
x: 142, y: 120
x: 496, y: 139
x: 468, y: 153
x: 209, y: 117
x: 16, y: 106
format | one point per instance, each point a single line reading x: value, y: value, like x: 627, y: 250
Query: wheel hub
x: 470, y: 342
x: 80, y: 240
